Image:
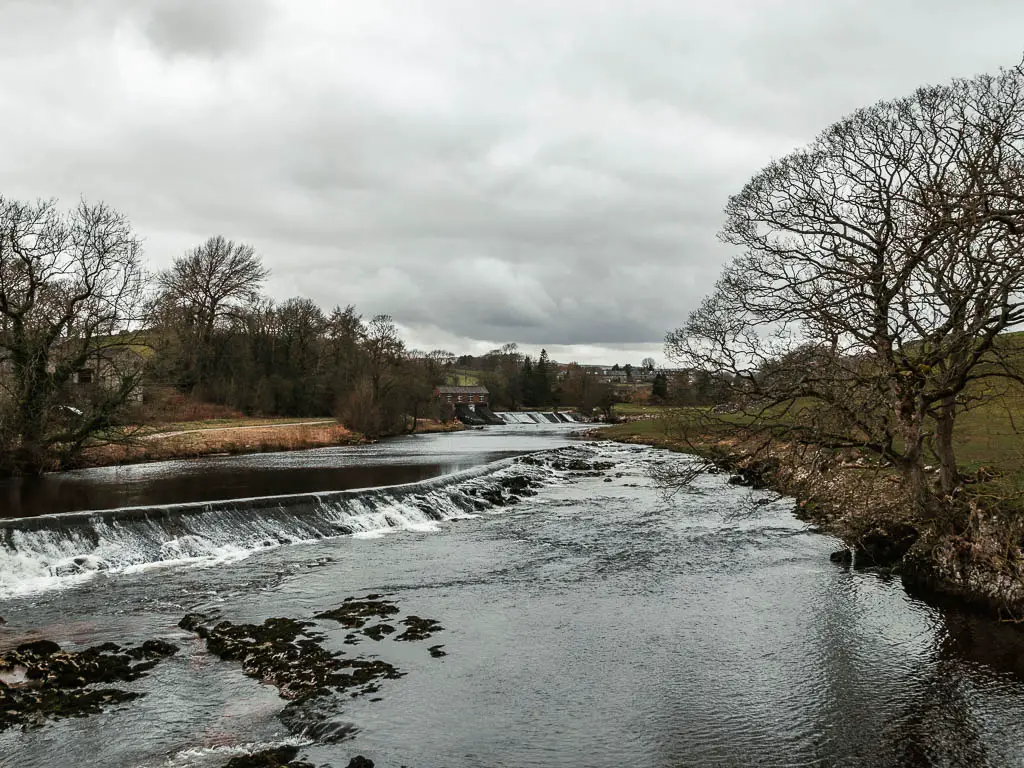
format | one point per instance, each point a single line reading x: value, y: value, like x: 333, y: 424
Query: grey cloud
x: 201, y: 27
x: 548, y: 173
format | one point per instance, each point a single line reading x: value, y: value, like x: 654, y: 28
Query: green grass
x: 992, y: 435
x: 464, y: 378
x: 635, y: 409
x: 648, y: 428
x: 989, y: 436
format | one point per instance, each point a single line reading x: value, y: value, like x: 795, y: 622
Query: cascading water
x: 534, y: 417
x: 41, y: 552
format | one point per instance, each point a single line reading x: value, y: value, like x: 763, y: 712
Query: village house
x: 104, y: 368
x: 471, y: 396
x: 107, y: 368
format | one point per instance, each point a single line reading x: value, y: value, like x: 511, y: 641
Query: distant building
x: 106, y: 368
x: 472, y: 396
x: 103, y: 368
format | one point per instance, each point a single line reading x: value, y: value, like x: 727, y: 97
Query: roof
x: 448, y: 390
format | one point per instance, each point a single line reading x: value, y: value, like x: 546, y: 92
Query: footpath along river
x: 551, y: 606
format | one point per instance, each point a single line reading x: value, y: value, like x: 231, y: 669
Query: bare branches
x: 879, y: 266
x: 672, y: 476
x: 70, y: 296
x: 213, y: 280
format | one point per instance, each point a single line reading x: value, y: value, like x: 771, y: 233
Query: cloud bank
x: 546, y: 173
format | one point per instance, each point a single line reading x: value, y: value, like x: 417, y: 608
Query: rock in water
x: 282, y: 757
x: 842, y: 557
x: 39, y: 648
x: 360, y: 762
x: 39, y: 681
x: 885, y: 545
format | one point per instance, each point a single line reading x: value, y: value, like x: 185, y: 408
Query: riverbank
x: 976, y: 559
x: 194, y: 440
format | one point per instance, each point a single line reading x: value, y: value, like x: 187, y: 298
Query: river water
x: 600, y: 622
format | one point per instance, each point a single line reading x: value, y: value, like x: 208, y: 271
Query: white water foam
x: 203, y: 756
x: 55, y: 551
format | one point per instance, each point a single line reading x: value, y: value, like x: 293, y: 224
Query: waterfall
x: 42, y: 552
x: 534, y: 417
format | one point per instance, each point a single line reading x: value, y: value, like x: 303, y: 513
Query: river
x: 600, y: 622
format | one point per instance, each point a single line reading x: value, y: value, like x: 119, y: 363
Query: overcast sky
x: 550, y: 172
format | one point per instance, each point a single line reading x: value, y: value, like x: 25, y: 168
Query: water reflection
x: 389, y: 462
x: 54, y: 493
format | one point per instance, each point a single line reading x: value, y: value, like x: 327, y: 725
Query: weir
x: 536, y: 417
x: 37, y: 552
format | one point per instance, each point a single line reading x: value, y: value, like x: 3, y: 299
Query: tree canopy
x: 877, y: 268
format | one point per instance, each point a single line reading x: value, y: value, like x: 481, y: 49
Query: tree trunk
x: 917, y: 481
x: 949, y: 475
x: 911, y: 432
x: 31, y: 456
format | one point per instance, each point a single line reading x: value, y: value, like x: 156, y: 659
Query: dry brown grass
x: 224, y: 441
x: 425, y: 426
x: 155, y: 432
x: 165, y: 405
x: 188, y: 440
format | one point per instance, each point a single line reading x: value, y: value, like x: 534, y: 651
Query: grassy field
x: 465, y: 378
x: 228, y: 423
x: 634, y: 409
x: 988, y: 437
x: 246, y: 438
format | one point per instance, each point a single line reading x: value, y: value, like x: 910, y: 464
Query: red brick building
x: 462, y: 395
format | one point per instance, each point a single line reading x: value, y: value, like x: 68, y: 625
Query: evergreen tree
x: 542, y: 380
x: 527, y: 385
x: 659, y: 389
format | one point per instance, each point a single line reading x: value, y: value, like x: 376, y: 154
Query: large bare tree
x: 210, y: 281
x: 879, y: 266
x: 70, y: 298
x: 209, y: 285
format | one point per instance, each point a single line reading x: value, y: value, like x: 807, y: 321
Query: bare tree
x: 879, y: 266
x: 209, y: 284
x: 70, y: 298
x: 210, y: 281
x: 376, y: 405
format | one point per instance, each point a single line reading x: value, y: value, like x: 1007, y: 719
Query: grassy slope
x: 465, y: 378
x: 988, y: 435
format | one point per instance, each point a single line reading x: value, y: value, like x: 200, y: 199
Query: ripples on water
x: 596, y: 624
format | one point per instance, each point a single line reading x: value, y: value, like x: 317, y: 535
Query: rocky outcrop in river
x: 291, y: 655
x: 40, y: 681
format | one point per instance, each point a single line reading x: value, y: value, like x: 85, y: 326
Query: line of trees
x: 878, y: 267
x: 516, y: 381
x: 219, y: 338
x: 76, y: 307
